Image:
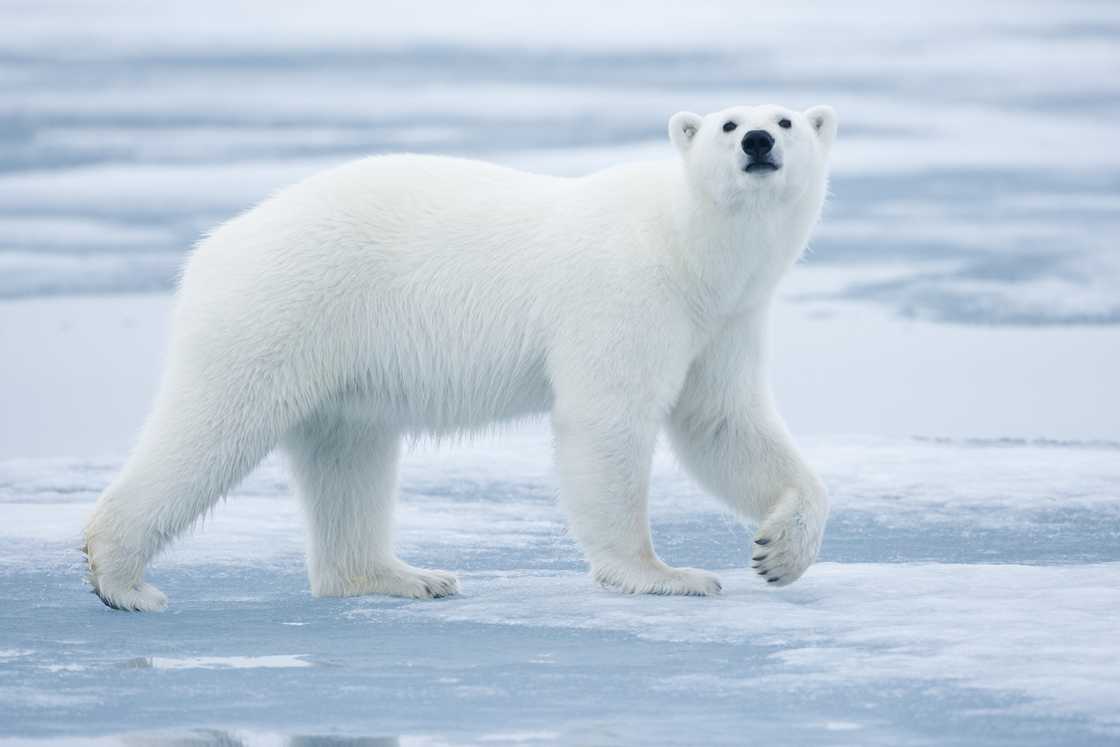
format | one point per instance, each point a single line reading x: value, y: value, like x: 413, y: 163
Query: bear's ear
x: 823, y: 121
x: 683, y: 127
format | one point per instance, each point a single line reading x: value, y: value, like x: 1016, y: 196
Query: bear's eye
x: 785, y: 123
x: 729, y: 126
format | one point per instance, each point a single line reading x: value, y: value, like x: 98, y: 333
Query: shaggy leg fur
x: 179, y: 470
x: 604, y: 468
x: 346, y: 477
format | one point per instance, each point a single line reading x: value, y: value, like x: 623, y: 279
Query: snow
x: 893, y: 622
x: 278, y: 661
x: 947, y: 354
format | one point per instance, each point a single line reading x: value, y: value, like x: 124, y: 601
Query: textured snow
x: 277, y: 661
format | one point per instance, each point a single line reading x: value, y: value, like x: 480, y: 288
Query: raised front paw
x: 657, y: 578
x: 789, y: 539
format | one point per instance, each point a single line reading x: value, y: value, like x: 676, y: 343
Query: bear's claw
x: 792, y: 536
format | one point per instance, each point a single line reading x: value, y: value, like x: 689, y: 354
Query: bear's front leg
x: 747, y: 459
x: 726, y: 431
x: 604, y: 459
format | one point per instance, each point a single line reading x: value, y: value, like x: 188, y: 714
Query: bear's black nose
x: 757, y: 143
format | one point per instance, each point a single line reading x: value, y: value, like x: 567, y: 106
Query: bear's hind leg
x: 346, y: 477
x: 197, y: 445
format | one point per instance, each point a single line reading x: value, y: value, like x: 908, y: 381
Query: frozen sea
x: 947, y: 354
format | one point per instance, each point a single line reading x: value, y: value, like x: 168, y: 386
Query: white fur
x: 401, y: 295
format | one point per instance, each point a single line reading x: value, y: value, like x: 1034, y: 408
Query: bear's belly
x: 434, y: 396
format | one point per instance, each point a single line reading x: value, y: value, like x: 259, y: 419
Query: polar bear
x: 405, y: 294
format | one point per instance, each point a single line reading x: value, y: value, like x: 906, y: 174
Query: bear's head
x: 753, y: 153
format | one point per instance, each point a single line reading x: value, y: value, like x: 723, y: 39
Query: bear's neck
x: 733, y: 259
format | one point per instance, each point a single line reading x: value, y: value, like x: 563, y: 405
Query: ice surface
x: 968, y: 586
